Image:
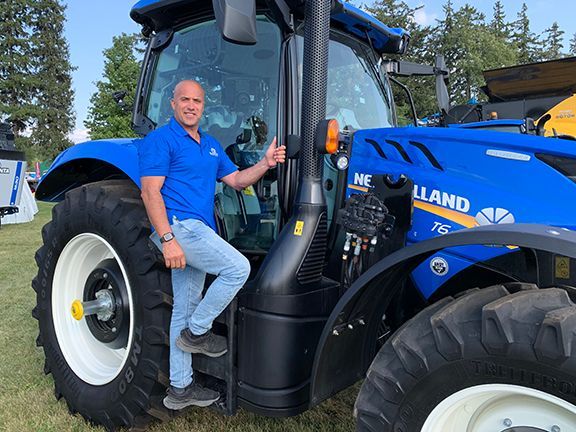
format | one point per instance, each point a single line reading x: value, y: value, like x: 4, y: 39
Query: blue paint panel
x: 458, y: 259
x: 121, y: 153
x: 145, y: 3
x: 357, y: 22
x: 16, y: 185
x: 351, y: 20
x: 529, y: 190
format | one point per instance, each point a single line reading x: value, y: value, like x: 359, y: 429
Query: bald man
x: 179, y: 167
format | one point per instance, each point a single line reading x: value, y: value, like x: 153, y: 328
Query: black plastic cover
x: 236, y: 20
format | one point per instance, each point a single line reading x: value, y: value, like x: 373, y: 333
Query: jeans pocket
x: 192, y: 227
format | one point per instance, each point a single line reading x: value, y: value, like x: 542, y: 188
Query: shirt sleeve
x: 225, y: 165
x: 154, y: 156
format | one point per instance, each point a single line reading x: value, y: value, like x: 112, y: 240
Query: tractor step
x: 219, y: 373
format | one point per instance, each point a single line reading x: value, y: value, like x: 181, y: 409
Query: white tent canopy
x: 26, y: 210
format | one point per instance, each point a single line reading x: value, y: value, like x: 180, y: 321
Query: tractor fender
x: 89, y: 162
x: 348, y: 342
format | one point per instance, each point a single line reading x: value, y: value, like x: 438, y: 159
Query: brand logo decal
x: 4, y: 170
x: 494, y: 216
x: 565, y: 114
x: 362, y: 179
x: 444, y: 199
x: 213, y: 152
x: 439, y: 266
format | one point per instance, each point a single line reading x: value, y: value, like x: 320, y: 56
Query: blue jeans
x: 206, y: 252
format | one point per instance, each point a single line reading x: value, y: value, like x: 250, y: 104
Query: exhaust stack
x: 314, y: 88
x: 286, y: 304
x: 295, y: 261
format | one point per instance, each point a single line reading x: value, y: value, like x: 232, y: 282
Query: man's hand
x: 275, y: 155
x: 173, y: 255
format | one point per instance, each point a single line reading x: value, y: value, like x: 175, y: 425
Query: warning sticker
x: 562, y: 268
x: 298, y: 228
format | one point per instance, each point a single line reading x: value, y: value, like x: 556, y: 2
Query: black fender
x: 348, y: 342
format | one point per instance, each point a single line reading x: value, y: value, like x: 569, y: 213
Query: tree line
x: 470, y: 42
x: 36, y: 95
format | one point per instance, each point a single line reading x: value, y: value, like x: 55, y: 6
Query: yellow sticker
x: 298, y: 228
x: 249, y: 191
x: 562, y: 267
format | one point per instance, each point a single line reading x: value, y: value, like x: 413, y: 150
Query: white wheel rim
x: 498, y: 407
x: 91, y: 360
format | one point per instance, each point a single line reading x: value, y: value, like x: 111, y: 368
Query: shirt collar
x: 179, y: 130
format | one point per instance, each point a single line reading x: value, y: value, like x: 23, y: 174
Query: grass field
x: 27, y: 402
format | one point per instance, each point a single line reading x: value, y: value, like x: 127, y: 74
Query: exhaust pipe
x: 314, y: 88
x: 295, y: 261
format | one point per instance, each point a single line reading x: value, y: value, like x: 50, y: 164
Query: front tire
x: 111, y: 368
x: 488, y: 360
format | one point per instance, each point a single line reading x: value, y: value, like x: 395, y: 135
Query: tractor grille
x: 310, y: 270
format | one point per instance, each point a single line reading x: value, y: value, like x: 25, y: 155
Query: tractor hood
x: 158, y: 15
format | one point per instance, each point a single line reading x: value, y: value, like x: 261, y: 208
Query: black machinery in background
x: 12, y: 172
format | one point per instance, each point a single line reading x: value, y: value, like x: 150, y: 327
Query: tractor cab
x: 253, y: 93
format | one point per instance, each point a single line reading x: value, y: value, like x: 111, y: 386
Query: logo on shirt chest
x: 213, y: 152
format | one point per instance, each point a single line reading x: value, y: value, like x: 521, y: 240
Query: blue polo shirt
x: 191, y: 170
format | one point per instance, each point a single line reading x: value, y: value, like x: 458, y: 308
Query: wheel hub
x: 104, y: 305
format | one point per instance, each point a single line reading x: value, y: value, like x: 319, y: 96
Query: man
x: 179, y: 167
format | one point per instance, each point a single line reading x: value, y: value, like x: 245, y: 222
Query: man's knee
x: 237, y: 269
x: 243, y: 268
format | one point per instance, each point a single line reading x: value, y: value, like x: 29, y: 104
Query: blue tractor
x: 435, y: 264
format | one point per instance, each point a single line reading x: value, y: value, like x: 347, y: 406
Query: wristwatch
x: 167, y: 237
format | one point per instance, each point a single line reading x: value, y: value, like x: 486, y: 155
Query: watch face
x: 167, y: 237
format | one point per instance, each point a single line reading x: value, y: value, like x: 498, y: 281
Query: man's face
x: 188, y: 104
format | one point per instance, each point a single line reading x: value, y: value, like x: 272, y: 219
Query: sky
x: 91, y: 26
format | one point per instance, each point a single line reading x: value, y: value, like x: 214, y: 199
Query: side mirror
x: 236, y: 20
x: 441, y: 88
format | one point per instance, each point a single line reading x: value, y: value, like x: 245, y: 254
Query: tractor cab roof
x: 158, y: 15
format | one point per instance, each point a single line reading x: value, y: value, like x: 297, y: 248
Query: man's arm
x: 247, y: 177
x: 156, y: 209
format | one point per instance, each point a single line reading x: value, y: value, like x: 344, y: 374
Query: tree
x: 35, y: 76
x: 121, y: 67
x: 527, y: 44
x: 499, y: 25
x: 397, y: 13
x: 53, y: 71
x: 469, y: 46
x: 573, y: 45
x: 16, y: 81
x: 553, y: 42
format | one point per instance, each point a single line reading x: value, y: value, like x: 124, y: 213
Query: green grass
x: 27, y: 401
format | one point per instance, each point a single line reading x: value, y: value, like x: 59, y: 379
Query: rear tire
x: 487, y: 360
x: 112, y: 372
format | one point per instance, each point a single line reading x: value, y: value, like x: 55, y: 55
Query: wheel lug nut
x: 507, y: 422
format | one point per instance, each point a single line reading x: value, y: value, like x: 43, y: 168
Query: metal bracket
x: 348, y: 326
